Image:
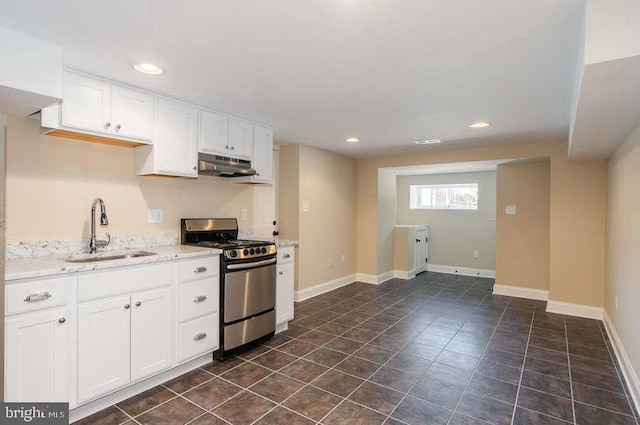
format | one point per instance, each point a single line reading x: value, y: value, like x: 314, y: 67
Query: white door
x: 214, y: 134
x: 176, y: 141
x: 86, y: 104
x: 265, y: 204
x: 104, y: 350
x: 421, y: 251
x: 240, y: 139
x: 131, y: 113
x: 38, y: 364
x: 284, y: 292
x: 151, y: 332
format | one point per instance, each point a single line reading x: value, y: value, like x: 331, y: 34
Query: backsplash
x: 75, y: 246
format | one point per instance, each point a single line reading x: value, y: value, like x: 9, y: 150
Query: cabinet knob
x: 62, y: 320
x: 280, y: 272
x: 138, y: 304
x: 226, y: 147
x: 195, y: 168
x: 107, y: 125
x: 286, y: 256
x: 233, y: 148
x: 126, y: 306
x: 118, y: 127
x: 418, y: 240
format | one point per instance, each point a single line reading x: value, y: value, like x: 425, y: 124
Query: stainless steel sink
x: 107, y: 256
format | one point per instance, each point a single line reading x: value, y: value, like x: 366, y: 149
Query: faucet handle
x: 104, y: 243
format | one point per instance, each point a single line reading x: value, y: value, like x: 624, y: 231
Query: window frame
x: 416, y: 193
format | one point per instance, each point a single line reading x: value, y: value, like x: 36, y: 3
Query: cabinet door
x: 421, y: 251
x: 86, y: 103
x: 262, y: 159
x: 284, y: 293
x: 151, y: 332
x: 240, y: 139
x: 214, y: 134
x: 103, y: 346
x: 176, y: 142
x: 37, y: 363
x: 131, y: 113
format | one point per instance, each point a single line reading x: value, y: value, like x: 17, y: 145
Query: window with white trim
x: 444, y: 196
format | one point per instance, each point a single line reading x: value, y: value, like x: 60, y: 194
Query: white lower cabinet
x: 285, y: 284
x: 39, y: 332
x: 37, y: 356
x: 123, y: 339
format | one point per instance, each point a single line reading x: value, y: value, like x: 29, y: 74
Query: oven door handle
x: 250, y: 265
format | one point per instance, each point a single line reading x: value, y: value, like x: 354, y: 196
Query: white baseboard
x: 630, y: 375
x: 464, y: 271
x: 518, y: 292
x: 305, y: 294
x: 373, y: 279
x: 579, y: 310
x: 92, y: 407
x: 404, y: 274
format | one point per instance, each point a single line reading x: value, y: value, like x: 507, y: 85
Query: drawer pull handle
x: 62, y: 320
x: 286, y: 256
x: 200, y: 269
x: 42, y: 296
x: 200, y: 336
x: 200, y: 298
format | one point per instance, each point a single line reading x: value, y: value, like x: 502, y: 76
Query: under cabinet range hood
x: 223, y: 166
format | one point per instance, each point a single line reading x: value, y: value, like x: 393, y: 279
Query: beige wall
x: 51, y: 183
x: 327, y: 181
x: 623, y: 233
x: 577, y: 261
x: 387, y: 209
x: 455, y: 234
x: 522, y: 240
x: 577, y: 204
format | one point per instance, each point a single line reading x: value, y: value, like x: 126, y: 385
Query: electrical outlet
x: 616, y: 302
x: 329, y: 262
x: 243, y: 213
x: 476, y: 254
x: 510, y: 209
x: 344, y: 258
x: 155, y: 216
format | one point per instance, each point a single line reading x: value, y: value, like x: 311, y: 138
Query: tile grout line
x: 524, y: 362
x: 573, y: 400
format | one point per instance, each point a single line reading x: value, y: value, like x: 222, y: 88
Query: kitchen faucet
x: 93, y: 243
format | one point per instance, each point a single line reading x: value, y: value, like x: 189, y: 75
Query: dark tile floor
x: 438, y: 349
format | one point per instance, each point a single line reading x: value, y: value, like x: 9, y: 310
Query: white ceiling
x: 388, y: 72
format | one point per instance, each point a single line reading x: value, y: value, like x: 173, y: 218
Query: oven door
x: 249, y: 289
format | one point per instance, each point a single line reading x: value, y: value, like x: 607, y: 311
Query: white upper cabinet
x: 261, y: 156
x: 221, y: 135
x: 174, y: 150
x: 132, y: 113
x: 240, y: 138
x: 214, y: 134
x: 99, y: 108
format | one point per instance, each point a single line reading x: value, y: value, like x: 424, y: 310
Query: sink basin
x: 107, y: 256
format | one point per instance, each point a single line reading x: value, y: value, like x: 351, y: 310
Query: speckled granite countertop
x: 25, y: 268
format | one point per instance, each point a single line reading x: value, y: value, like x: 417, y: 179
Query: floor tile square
x: 303, y: 370
x: 244, y: 408
x: 415, y: 411
x: 486, y: 409
x: 312, y: 402
x: 437, y: 392
x: 558, y: 407
x: 146, y: 400
x: 353, y: 414
x: 177, y: 410
x: 337, y: 383
x: 212, y: 393
x: 277, y: 387
x: 378, y: 398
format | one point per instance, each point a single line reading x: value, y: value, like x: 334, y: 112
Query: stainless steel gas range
x: 247, y: 281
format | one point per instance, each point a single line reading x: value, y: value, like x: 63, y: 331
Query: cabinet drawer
x: 197, y: 337
x: 198, y: 298
x: 285, y: 254
x: 125, y: 280
x: 37, y: 294
x: 199, y: 268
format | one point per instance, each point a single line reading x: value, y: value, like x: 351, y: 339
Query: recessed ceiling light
x: 480, y: 124
x: 148, y: 68
x: 352, y: 140
x: 427, y: 142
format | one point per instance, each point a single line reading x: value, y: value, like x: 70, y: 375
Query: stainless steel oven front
x: 248, y: 295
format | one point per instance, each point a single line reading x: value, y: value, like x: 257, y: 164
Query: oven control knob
x: 252, y: 251
x: 233, y: 253
x: 245, y: 252
x: 264, y: 250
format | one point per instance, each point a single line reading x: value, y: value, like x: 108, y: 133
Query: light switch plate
x: 155, y: 216
x: 243, y: 214
x: 510, y: 209
x: 305, y: 207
